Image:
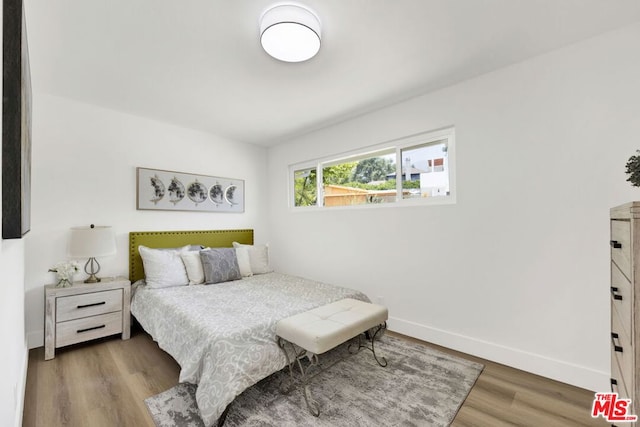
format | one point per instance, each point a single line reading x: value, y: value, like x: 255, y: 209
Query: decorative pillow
x: 258, y: 257
x: 193, y: 264
x: 183, y: 248
x: 163, y: 268
x: 220, y: 265
x: 242, y: 254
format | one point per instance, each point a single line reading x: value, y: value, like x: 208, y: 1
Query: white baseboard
x: 558, y: 370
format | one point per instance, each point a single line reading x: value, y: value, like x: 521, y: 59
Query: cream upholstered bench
x: 321, y: 329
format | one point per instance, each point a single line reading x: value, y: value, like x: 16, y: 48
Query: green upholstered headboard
x: 174, y: 239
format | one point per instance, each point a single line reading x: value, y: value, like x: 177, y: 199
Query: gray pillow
x: 220, y: 265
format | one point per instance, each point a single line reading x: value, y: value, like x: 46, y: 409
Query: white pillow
x: 258, y: 257
x: 242, y: 254
x: 193, y: 265
x: 163, y: 268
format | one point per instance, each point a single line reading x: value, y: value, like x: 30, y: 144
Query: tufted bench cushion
x: 323, y: 328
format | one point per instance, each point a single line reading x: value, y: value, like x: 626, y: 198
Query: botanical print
x: 158, y: 189
x: 176, y: 190
x: 169, y: 190
x: 228, y: 194
x: 197, y: 192
x: 216, y: 194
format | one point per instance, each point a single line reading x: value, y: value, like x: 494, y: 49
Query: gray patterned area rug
x: 420, y: 386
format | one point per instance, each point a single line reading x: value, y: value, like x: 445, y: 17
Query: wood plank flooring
x: 104, y: 383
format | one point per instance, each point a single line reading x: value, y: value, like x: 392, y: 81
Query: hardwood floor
x: 504, y: 396
x: 104, y: 383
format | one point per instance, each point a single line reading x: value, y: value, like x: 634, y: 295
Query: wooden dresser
x: 625, y: 324
x: 86, y: 311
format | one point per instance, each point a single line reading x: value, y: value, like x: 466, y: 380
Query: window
x: 305, y: 184
x: 360, y: 180
x: 423, y: 163
x: 424, y: 170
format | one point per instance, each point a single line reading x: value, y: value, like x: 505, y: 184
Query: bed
x: 222, y: 335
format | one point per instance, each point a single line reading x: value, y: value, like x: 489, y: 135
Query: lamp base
x: 92, y: 279
x: 92, y: 268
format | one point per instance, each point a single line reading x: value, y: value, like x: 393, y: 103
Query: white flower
x: 65, y: 270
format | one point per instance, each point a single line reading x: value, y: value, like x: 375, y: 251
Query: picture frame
x: 159, y: 189
x: 16, y: 123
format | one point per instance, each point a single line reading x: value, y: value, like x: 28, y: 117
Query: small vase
x: 63, y: 283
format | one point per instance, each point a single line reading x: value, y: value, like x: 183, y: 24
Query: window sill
x: 406, y: 203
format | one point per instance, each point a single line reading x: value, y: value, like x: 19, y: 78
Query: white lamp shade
x: 87, y: 242
x: 290, y: 33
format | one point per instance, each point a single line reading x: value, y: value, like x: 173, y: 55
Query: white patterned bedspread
x: 223, y: 335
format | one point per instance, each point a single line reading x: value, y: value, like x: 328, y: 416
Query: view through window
x: 415, y: 168
x: 425, y: 171
x: 305, y: 184
x: 359, y: 181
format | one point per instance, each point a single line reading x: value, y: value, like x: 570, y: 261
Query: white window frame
x: 396, y: 145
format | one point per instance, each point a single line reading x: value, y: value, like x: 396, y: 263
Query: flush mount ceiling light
x: 290, y: 32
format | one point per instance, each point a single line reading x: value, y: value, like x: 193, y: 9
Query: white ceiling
x: 199, y: 64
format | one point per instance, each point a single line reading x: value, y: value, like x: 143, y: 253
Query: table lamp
x: 93, y: 241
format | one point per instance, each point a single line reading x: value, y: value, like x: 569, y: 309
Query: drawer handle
x: 616, y: 295
x: 614, y: 337
x: 615, y: 244
x: 614, y: 382
x: 92, y: 305
x: 79, y: 331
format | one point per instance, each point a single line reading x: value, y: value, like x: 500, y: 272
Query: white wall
x: 14, y: 354
x: 518, y: 270
x: 84, y: 171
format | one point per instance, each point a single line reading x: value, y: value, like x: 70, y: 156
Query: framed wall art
x: 179, y: 191
x: 16, y: 123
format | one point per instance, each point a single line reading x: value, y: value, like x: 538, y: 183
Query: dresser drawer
x: 88, y: 328
x: 620, y: 387
x: 621, y: 299
x: 91, y: 304
x: 621, y: 351
x: 621, y: 245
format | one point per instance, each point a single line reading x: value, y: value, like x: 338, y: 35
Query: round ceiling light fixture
x: 290, y: 32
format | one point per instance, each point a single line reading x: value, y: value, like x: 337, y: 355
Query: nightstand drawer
x: 91, y: 304
x: 88, y: 328
x: 621, y: 245
x: 86, y: 311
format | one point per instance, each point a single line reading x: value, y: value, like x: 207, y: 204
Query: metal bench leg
x: 312, y: 405
x: 382, y: 361
x: 286, y: 389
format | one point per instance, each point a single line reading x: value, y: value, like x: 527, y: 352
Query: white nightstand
x: 86, y: 311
